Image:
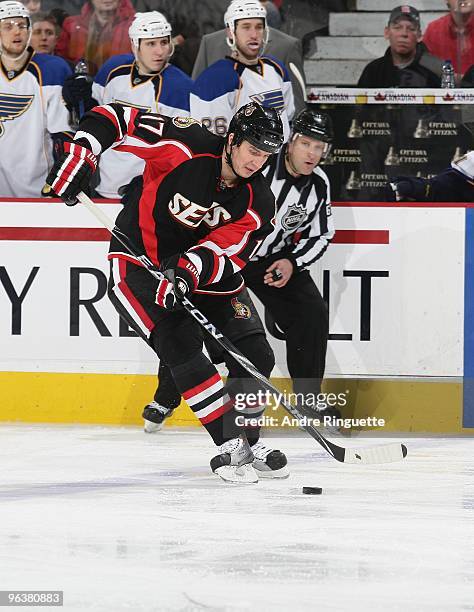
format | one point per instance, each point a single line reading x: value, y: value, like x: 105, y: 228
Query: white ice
x: 120, y: 520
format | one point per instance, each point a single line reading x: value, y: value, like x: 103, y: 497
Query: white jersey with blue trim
x: 165, y: 93
x: 31, y: 109
x: 304, y: 224
x: 228, y: 84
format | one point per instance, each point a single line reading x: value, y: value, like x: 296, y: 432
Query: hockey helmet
x: 260, y: 126
x: 314, y: 124
x: 148, y: 25
x: 11, y: 9
x: 245, y: 9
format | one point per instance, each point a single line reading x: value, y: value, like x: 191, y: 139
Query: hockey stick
x: 299, y: 77
x: 385, y: 453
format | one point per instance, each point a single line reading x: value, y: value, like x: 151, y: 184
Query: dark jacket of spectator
x: 443, y: 40
x: 84, y: 37
x: 382, y: 72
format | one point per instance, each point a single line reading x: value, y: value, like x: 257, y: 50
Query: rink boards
x: 400, y: 287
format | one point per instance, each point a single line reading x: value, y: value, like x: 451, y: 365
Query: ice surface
x: 120, y: 520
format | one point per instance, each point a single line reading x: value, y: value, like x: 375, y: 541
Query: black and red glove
x: 181, y: 279
x: 71, y: 173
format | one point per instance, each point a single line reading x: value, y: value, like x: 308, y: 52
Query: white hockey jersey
x: 31, y: 109
x: 226, y: 85
x: 166, y: 93
x: 304, y: 225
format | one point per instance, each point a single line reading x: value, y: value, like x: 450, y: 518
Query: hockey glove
x: 71, y: 173
x: 183, y: 274
x: 165, y: 295
x: 77, y: 93
x: 181, y: 279
x: 411, y: 188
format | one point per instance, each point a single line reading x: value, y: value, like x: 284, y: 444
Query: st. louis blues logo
x: 12, y: 106
x: 294, y: 217
x: 270, y: 99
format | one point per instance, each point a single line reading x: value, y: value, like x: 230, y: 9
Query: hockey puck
x: 312, y: 490
x: 276, y: 275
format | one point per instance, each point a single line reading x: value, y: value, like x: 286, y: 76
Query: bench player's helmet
x: 260, y: 126
x: 149, y: 25
x: 244, y: 9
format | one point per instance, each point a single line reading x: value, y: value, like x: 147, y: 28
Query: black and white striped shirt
x: 303, y: 223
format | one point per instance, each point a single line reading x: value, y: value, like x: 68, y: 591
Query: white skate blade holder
x: 244, y: 474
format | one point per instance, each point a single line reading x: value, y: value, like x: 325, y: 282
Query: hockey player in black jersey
x: 278, y: 273
x: 202, y: 211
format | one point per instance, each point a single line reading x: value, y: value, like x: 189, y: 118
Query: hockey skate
x: 234, y: 461
x: 154, y: 416
x: 269, y: 463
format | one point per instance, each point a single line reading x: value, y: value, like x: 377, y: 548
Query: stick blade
x: 384, y: 453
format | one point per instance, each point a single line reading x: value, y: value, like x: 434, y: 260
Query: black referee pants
x: 301, y: 313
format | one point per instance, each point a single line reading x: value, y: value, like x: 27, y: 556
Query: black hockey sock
x: 203, y: 389
x: 167, y: 393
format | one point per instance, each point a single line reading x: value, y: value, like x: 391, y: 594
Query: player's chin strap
x: 385, y: 453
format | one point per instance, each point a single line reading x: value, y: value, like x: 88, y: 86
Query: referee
x: 278, y: 274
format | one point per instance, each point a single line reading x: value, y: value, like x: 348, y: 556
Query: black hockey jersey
x: 180, y: 207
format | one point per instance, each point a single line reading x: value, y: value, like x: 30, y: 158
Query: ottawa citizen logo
x: 293, y: 217
x: 191, y: 214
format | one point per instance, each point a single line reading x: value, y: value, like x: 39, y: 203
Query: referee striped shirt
x: 303, y: 223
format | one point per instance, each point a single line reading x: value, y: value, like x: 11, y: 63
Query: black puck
x: 312, y: 490
x: 276, y: 275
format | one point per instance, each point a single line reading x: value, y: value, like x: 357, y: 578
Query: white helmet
x: 13, y: 9
x: 148, y: 25
x: 244, y: 9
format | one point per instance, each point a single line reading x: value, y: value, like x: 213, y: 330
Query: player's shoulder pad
x: 263, y: 202
x: 177, y: 87
x: 218, y: 79
x: 49, y: 69
x: 191, y: 132
x: 115, y: 66
x: 278, y: 65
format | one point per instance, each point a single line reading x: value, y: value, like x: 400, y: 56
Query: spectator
x: 33, y: 6
x: 45, y: 33
x: 452, y: 36
x: 406, y: 62
x: 31, y: 106
x: 144, y: 80
x: 215, y: 46
x: 244, y: 76
x: 100, y: 31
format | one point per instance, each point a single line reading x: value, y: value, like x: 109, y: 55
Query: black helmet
x: 314, y: 124
x: 260, y: 126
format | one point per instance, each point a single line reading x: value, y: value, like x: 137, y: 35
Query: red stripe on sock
x: 217, y: 413
x: 201, y: 387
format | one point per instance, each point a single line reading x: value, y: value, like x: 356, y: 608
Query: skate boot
x: 234, y: 461
x: 269, y: 463
x: 154, y: 415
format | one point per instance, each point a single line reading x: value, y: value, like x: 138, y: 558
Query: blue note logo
x: 270, y: 99
x: 12, y: 106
